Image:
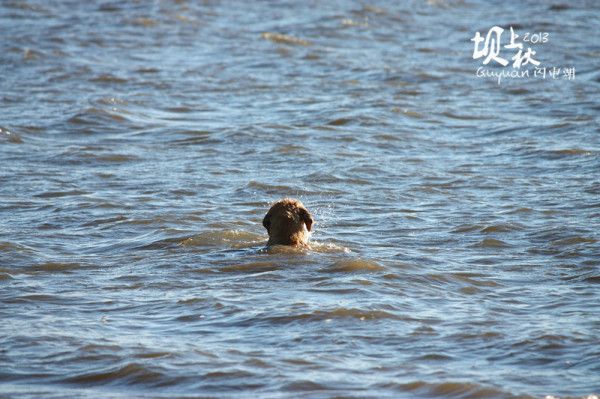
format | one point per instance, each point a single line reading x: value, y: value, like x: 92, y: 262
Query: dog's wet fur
x: 288, y: 222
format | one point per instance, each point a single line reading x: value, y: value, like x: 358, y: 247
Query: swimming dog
x: 288, y: 222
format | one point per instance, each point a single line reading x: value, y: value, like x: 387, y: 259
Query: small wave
x: 144, y: 21
x: 328, y: 247
x: 461, y: 278
x: 518, y: 91
x: 274, y: 189
x: 44, y: 298
x: 303, y: 386
x: 292, y: 149
x: 351, y: 22
x: 330, y: 178
x: 286, y: 249
x: 154, y: 220
x: 85, y: 155
x: 563, y: 242
x: 179, y: 110
x: 254, y: 267
x: 183, y: 192
x: 144, y: 70
x: 519, y: 210
x: 164, y: 244
x: 14, y: 247
x: 98, y: 222
x: 107, y: 78
x: 491, y: 243
x: 452, y: 115
x: 54, y: 267
x: 407, y: 112
x: 475, y: 279
x: 355, y: 265
x: 314, y: 246
x: 334, y: 314
x: 10, y: 137
x: 229, y: 238
x: 191, y: 301
x: 466, y: 228
x: 31, y: 54
x: 284, y: 39
x: 450, y: 389
x: 501, y: 228
x: 572, y: 151
x: 58, y: 194
x: 369, y: 9
x: 236, y: 239
x: 559, y: 154
x: 96, y: 116
x: 227, y: 375
x: 129, y: 374
x: 153, y: 355
x: 198, y: 138
x: 111, y: 101
x: 593, y: 279
x: 339, y: 122
x: 115, y: 158
x: 434, y: 357
x: 98, y: 348
x: 469, y: 290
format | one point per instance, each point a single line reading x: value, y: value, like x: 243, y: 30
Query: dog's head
x: 288, y: 222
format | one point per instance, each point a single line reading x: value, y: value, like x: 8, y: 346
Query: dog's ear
x: 306, y: 218
x: 267, y: 222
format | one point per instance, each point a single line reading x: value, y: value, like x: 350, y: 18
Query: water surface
x: 456, y: 247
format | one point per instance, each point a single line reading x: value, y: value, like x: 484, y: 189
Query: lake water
x: 456, y: 247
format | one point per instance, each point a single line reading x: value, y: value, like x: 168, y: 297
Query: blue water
x: 455, y: 246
